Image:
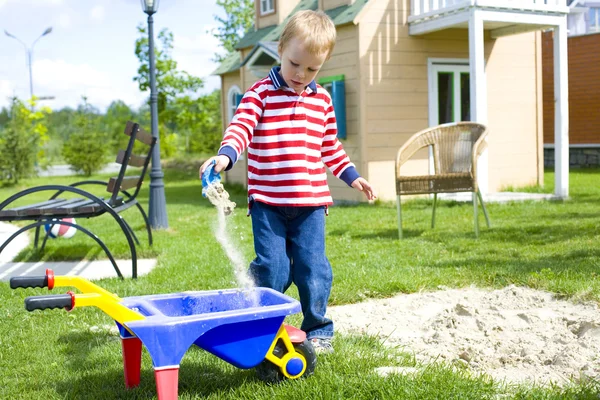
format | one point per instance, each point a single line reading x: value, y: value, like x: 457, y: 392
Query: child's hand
x: 364, y: 186
x: 221, y: 162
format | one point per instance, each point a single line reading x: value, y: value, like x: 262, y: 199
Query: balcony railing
x: 430, y: 8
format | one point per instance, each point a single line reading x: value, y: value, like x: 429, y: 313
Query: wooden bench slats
x: 42, y: 208
x: 13, y: 212
x: 71, y: 207
x: 141, y: 135
x: 135, y: 161
x: 95, y: 207
x: 128, y: 182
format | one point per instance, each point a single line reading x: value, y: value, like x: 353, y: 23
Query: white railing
x: 428, y: 8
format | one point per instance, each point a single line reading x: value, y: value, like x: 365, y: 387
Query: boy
x: 287, y: 123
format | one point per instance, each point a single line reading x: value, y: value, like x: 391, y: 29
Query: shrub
x: 22, y: 141
x: 86, y: 148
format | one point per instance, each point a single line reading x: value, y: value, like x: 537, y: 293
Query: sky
x: 90, y: 51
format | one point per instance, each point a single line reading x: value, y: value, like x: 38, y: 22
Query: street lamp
x: 158, y: 204
x: 29, y: 51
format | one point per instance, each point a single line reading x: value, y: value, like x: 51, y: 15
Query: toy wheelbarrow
x: 242, y: 327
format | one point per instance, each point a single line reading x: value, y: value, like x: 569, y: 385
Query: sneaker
x: 322, y: 345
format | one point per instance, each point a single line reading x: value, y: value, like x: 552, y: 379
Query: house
x: 400, y: 66
x: 584, y: 17
x: 584, y: 86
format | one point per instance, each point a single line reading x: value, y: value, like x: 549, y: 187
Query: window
x: 234, y: 96
x: 336, y: 88
x: 267, y: 7
x: 594, y: 19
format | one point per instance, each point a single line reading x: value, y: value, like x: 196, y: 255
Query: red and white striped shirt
x: 290, y: 138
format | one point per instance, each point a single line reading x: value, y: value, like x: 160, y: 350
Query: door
x: 450, y: 101
x: 449, y: 93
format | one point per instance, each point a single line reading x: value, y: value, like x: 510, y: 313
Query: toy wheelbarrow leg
x: 132, y: 358
x: 167, y: 378
x: 132, y: 361
x: 167, y: 381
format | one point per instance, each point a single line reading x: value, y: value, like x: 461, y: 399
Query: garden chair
x: 456, y: 147
x: 88, y: 205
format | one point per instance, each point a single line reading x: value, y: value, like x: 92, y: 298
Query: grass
x: 544, y: 245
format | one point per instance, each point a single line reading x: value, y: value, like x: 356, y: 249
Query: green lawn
x: 545, y: 245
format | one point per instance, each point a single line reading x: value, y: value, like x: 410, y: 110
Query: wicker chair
x: 456, y: 148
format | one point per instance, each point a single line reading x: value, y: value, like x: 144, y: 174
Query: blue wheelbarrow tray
x: 235, y: 325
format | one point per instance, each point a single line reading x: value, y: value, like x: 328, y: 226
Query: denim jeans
x: 290, y: 247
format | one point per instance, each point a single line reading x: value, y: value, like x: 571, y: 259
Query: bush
x: 22, y: 141
x: 85, y: 152
x: 86, y: 148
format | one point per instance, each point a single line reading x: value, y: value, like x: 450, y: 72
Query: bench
x: 87, y: 205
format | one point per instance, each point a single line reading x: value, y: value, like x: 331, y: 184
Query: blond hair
x: 315, y: 28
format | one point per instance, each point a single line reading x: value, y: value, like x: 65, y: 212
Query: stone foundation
x: 579, y: 157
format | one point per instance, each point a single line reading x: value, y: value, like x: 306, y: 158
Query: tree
x: 22, y: 140
x: 197, y: 122
x: 170, y: 82
x: 85, y: 150
x: 117, y: 115
x: 239, y: 18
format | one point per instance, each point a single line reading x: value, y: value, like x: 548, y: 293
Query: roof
x: 272, y: 33
x: 229, y: 64
x: 345, y: 14
x: 340, y: 15
x: 268, y: 47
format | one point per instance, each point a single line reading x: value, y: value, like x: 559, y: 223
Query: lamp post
x: 29, y: 51
x: 158, y: 205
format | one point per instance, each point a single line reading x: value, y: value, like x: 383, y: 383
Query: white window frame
x: 231, y: 104
x: 266, y: 7
x: 594, y: 25
x: 457, y: 65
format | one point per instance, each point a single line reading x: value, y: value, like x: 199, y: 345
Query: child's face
x: 298, y: 66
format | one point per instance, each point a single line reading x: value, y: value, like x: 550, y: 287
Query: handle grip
x: 33, y: 281
x: 66, y: 301
x: 28, y: 282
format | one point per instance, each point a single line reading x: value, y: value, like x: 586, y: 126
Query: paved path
x: 65, y: 170
x: 500, y: 197
x: 86, y: 269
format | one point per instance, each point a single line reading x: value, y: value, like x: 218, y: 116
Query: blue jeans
x: 290, y: 247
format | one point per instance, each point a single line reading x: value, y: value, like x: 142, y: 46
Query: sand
x: 516, y: 334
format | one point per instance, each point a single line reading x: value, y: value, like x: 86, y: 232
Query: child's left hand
x: 364, y: 186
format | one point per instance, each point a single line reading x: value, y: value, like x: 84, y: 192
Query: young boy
x: 287, y: 123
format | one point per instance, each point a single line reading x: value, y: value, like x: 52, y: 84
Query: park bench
x: 84, y: 204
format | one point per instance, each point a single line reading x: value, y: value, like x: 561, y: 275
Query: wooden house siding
x: 282, y: 10
x: 584, y: 88
x: 343, y: 61
x: 515, y: 112
x: 394, y: 96
x: 238, y: 173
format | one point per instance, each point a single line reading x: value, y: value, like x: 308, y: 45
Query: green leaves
x: 170, y: 82
x: 86, y: 149
x: 22, y: 140
x: 239, y: 18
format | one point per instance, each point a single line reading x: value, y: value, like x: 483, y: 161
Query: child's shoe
x: 322, y: 345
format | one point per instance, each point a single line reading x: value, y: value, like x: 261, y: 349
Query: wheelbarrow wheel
x: 270, y: 373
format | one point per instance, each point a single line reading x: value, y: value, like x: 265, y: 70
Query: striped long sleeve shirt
x: 290, y: 139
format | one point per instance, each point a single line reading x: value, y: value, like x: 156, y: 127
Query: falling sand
x: 219, y: 197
